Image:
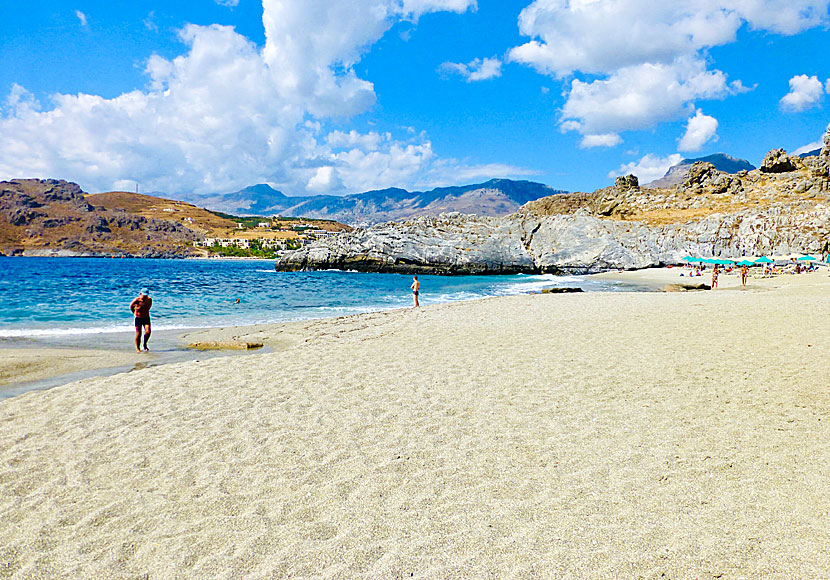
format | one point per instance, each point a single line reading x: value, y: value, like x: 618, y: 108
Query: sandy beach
x: 594, y: 435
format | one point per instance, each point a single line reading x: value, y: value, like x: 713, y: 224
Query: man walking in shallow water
x: 140, y: 307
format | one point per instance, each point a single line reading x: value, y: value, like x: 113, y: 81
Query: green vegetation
x: 252, y: 221
x: 234, y: 252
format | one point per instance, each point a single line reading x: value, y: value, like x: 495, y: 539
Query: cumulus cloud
x: 603, y: 140
x: 649, y: 168
x: 81, y: 17
x: 609, y: 47
x: 639, y: 97
x: 601, y: 36
x: 805, y: 93
x: 476, y: 70
x: 700, y: 129
x: 226, y: 114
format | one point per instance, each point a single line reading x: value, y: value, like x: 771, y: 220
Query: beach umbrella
x: 764, y: 260
x: 808, y: 258
x: 723, y: 262
x: 745, y: 263
x: 689, y: 259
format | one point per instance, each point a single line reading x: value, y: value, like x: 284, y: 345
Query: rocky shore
x: 781, y: 208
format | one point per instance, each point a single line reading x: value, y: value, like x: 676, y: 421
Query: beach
x: 586, y: 435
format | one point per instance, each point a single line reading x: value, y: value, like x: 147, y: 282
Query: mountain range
x: 496, y: 197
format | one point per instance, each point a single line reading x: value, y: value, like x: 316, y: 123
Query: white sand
x: 549, y: 436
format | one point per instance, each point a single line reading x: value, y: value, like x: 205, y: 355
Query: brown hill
x: 55, y: 217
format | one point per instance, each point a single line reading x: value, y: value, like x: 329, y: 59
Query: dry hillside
x: 55, y: 217
x: 704, y: 192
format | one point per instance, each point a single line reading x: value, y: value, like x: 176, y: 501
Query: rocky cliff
x: 782, y: 208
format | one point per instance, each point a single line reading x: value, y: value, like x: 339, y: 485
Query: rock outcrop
x: 777, y: 161
x: 710, y: 214
x: 721, y: 161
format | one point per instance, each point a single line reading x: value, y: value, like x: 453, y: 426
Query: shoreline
x: 46, y: 362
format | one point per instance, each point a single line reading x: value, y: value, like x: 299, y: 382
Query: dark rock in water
x: 685, y: 287
x: 560, y: 290
x: 777, y: 161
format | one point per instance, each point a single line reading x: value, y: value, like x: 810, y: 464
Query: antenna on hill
x: 136, y: 187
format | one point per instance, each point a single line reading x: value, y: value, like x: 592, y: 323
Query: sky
x: 345, y: 96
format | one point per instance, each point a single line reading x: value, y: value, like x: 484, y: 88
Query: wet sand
x: 594, y: 435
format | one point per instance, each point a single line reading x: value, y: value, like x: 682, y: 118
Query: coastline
x: 45, y: 363
x: 598, y: 435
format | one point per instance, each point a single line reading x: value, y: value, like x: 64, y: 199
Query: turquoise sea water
x: 51, y: 297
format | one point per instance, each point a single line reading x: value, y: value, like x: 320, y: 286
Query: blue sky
x: 339, y: 96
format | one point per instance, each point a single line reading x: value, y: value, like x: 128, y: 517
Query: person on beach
x: 715, y: 277
x: 744, y: 273
x: 416, y: 286
x: 140, y: 307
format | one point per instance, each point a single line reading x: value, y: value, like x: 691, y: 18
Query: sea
x: 78, y: 297
x: 84, y: 302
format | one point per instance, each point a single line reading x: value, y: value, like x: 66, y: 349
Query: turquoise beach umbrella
x: 808, y: 258
x: 689, y: 259
x: 745, y: 263
x: 764, y: 260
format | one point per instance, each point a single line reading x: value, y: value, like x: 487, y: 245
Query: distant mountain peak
x: 494, y: 197
x: 261, y: 189
x: 721, y: 161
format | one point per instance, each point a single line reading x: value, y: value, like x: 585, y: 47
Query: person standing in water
x: 416, y: 286
x: 140, y: 307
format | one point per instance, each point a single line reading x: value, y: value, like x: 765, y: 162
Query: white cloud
x: 150, y: 23
x: 476, y: 70
x: 641, y: 96
x: 636, y: 63
x: 805, y: 93
x: 226, y: 114
x: 602, y: 140
x: 700, y: 129
x: 446, y: 171
x: 649, y: 168
x: 602, y: 36
x: 81, y: 17
x: 325, y: 179
x: 808, y: 147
